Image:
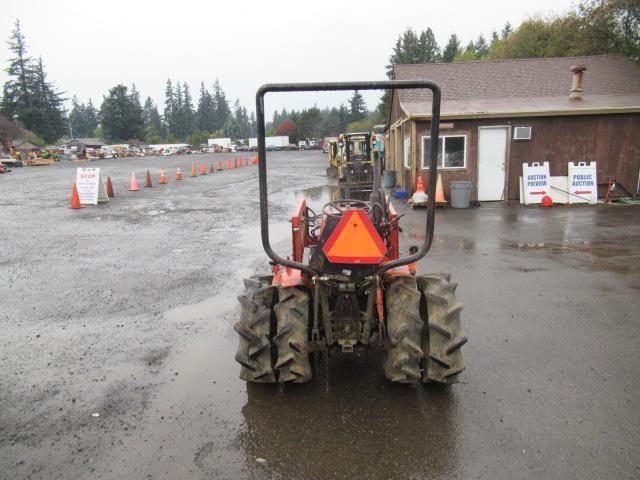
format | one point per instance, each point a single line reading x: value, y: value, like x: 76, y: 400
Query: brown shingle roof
x: 521, y: 86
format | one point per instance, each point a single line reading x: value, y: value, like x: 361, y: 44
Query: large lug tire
x: 255, y: 330
x: 292, y: 337
x: 443, y: 339
x: 405, y: 327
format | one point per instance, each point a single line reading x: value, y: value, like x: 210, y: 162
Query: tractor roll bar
x: 334, y: 86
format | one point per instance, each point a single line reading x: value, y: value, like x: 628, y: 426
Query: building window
x: 454, y: 148
x: 406, y: 152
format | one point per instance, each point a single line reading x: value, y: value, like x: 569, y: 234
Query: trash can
x: 389, y: 179
x: 460, y: 194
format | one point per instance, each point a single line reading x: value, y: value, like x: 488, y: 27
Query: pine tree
x: 91, y: 118
x: 451, y: 49
x: 206, y: 113
x: 152, y: 122
x: 169, y: 116
x: 222, y: 111
x: 357, y: 107
x: 28, y: 96
x: 121, y: 120
x: 410, y: 49
x: 253, y: 130
x: 136, y: 115
x: 16, y: 99
x: 481, y: 47
x: 506, y: 31
x: 188, y: 115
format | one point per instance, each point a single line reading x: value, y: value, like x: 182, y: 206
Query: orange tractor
x: 346, y: 284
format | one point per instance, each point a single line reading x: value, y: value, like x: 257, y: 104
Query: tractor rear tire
x: 255, y: 329
x: 443, y: 339
x: 404, y: 327
x: 292, y: 336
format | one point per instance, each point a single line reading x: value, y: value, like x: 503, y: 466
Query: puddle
x: 317, y: 197
x: 580, y: 246
x: 208, y: 308
x: 250, y: 237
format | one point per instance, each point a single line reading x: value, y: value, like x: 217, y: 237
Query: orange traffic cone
x: 110, y: 188
x: 211, y: 168
x: 228, y: 164
x: 193, y: 170
x: 419, y: 198
x: 133, y: 186
x: 148, y: 182
x: 75, y: 198
x: 163, y: 177
x: 203, y: 169
x: 219, y: 165
x: 179, y: 174
x: 440, y: 200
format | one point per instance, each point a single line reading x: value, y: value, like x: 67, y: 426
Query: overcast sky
x: 90, y: 46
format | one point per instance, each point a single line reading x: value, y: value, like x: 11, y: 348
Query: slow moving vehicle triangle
x: 354, y: 240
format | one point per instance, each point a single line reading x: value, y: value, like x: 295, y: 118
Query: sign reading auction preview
x: 582, y: 183
x: 91, y: 187
x: 535, y: 180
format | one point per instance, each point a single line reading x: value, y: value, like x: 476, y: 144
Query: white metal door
x: 492, y: 150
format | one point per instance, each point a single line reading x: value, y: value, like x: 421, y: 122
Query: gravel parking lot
x: 116, y: 353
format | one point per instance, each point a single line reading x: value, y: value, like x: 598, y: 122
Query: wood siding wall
x: 613, y: 141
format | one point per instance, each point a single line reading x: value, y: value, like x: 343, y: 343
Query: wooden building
x: 81, y: 144
x: 497, y: 115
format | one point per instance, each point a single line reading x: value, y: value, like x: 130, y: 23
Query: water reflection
x: 317, y: 197
x: 349, y: 422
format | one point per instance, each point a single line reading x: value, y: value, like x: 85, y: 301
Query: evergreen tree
x: 253, y: 125
x: 91, y: 118
x: 451, y: 49
x: 187, y: 114
x: 152, y: 121
x: 206, y: 113
x: 136, y: 115
x: 410, y: 49
x: 221, y: 106
x: 77, y: 118
x: 120, y: 119
x: 169, y: 115
x: 309, y: 123
x: 28, y: 96
x: 481, y: 47
x: 16, y: 98
x: 357, y: 107
x: 506, y: 31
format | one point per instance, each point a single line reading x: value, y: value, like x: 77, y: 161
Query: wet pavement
x: 125, y: 309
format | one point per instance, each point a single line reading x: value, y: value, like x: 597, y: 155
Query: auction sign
x: 536, y: 182
x: 91, y: 187
x: 583, y: 185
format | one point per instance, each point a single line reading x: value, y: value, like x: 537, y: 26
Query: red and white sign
x: 91, y: 187
x: 536, y: 182
x: 582, y: 183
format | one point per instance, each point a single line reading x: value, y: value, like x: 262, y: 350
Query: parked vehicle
x: 279, y: 142
x: 347, y: 285
x: 9, y: 161
x: 222, y: 143
x: 302, y: 145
